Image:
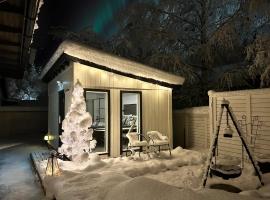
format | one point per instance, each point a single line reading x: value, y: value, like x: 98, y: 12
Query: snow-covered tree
x: 30, y: 87
x: 212, y: 43
x: 77, y: 135
x: 203, y: 40
x: 259, y: 55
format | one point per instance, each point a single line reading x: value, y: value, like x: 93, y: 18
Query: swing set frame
x: 225, y: 104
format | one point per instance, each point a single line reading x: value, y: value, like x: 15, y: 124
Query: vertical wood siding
x: 193, y: 127
x: 156, y: 101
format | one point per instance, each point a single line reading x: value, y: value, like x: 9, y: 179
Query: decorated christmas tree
x: 77, y: 135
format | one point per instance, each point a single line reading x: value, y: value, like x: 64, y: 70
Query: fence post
x: 212, y: 113
x: 206, y: 130
x: 249, y: 120
x: 186, y: 132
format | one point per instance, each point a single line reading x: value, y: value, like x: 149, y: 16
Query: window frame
x: 109, y: 116
x: 121, y: 116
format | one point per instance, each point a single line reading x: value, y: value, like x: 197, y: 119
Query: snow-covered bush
x: 30, y: 87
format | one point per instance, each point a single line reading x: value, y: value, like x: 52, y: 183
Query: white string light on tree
x: 77, y: 136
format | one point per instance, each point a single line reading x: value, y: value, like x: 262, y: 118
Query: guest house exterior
x: 118, y: 92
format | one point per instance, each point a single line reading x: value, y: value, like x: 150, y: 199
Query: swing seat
x: 226, y: 171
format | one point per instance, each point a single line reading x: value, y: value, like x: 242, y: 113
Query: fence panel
x: 191, y: 127
x: 252, y: 110
x: 23, y: 122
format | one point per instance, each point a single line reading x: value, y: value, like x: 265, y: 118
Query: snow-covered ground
x: 17, y: 180
x: 157, y: 177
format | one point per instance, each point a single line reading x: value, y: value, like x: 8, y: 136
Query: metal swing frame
x: 225, y: 104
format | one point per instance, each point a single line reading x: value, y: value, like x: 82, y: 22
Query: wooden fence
x: 191, y: 127
x: 23, y: 122
x: 194, y: 127
x: 252, y: 110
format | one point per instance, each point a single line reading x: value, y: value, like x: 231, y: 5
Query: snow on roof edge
x: 115, y: 62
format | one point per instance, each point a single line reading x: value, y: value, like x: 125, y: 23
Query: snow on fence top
x: 194, y: 110
x: 212, y: 93
x: 113, y: 62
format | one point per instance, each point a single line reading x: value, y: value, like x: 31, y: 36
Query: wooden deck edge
x: 37, y: 172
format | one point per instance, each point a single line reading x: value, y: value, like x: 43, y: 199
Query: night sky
x: 96, y: 15
x: 77, y: 15
x: 102, y: 15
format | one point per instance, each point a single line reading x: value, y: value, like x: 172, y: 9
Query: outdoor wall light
x: 52, y: 168
x: 60, y: 85
x: 48, y: 137
x: 63, y: 85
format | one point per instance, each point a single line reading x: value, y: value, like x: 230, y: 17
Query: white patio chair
x: 156, y: 139
x: 134, y: 141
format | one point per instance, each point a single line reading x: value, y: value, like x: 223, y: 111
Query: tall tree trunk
x: 204, y: 19
x: 203, y: 38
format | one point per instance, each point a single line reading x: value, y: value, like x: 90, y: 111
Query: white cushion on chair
x: 156, y: 138
x: 163, y: 137
x: 139, y: 143
x: 158, y: 142
x: 134, y: 141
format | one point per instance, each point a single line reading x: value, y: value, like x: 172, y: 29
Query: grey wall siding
x: 53, y: 109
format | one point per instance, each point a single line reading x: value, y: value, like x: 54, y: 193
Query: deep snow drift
x: 158, y: 177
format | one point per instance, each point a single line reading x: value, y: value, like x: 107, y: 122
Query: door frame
x: 61, y: 113
x: 109, y: 115
x: 121, y: 101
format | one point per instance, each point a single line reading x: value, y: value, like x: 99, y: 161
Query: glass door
x: 61, y: 113
x: 130, y: 115
x: 97, y: 104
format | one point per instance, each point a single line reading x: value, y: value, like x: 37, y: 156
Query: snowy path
x: 17, y: 180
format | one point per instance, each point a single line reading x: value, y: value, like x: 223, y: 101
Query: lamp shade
x: 228, y: 132
x: 52, y: 168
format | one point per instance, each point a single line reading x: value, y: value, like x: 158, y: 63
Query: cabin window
x: 130, y: 114
x: 97, y: 104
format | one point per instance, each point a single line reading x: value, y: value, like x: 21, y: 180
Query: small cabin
x: 118, y: 92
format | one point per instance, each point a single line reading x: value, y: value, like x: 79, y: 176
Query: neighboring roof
x: 16, y: 28
x: 95, y: 58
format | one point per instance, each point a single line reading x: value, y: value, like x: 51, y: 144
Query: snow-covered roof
x: 114, y: 63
